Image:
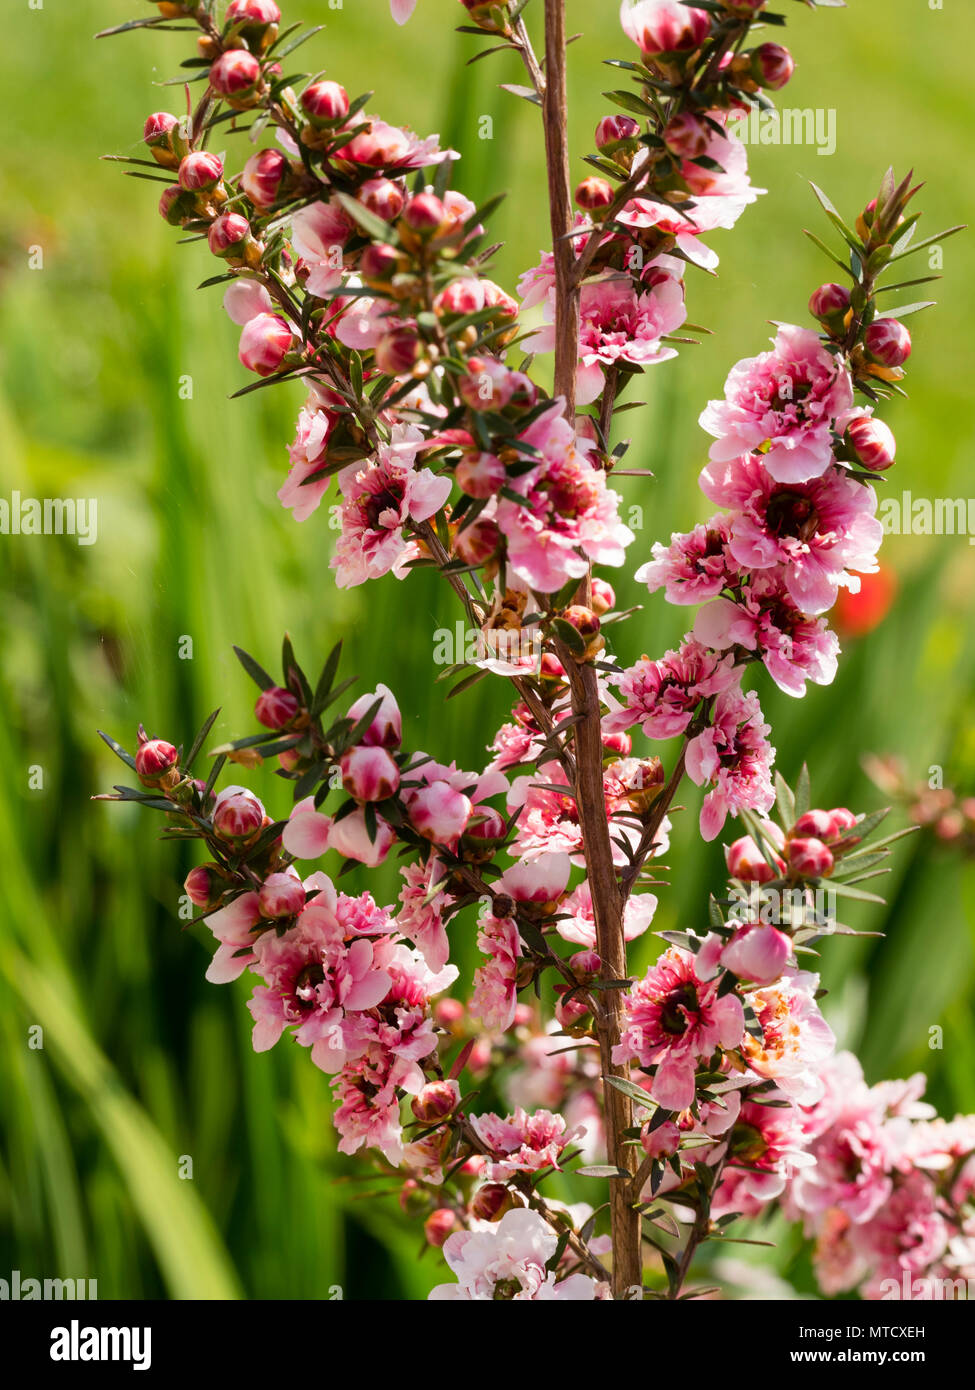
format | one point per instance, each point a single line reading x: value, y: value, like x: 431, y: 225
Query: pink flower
x: 814, y: 531
x: 674, y: 1022
x: 496, y: 978
x: 420, y: 917
x: 441, y: 798
x: 232, y: 926
x: 388, y: 147
x: 368, y: 1094
x: 579, y: 925
x: 664, y: 26
x: 381, y: 497
x: 662, y: 695
x: 758, y: 953
x: 905, y: 1237
x: 788, y: 398
x: 734, y: 757
x: 794, y: 648
x: 618, y: 324
x: 309, y: 833
x: 522, y: 1143
x: 245, y: 299
x: 318, y: 234
x: 264, y: 343
x: 695, y: 566
x: 386, y: 729
x: 766, y: 1147
x: 508, y: 1260
x: 549, y: 819
x: 308, y: 479
x: 796, y: 1040
x: 569, y: 517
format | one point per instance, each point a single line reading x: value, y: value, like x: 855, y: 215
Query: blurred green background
x: 143, y: 1061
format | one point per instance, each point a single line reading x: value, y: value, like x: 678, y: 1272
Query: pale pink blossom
x: 578, y: 924
x: 508, y: 1260
x: 522, y: 1143
x: 661, y: 696
x: 733, y: 757
x: 795, y: 1040
x: 695, y: 566
x: 495, y: 993
x: 787, y: 399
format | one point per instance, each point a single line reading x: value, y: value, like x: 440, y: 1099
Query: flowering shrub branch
x: 353, y: 266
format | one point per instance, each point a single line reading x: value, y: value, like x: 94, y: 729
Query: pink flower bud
x: 199, y: 171
x: 383, y: 197
x: 253, y: 16
x: 398, y: 351
x: 435, y: 1102
x: 612, y: 129
x: 747, y: 863
x: 386, y: 729
x: 665, y: 26
x: 491, y: 1202
x: 281, y: 895
x: 888, y: 342
x: 840, y: 820
x: 276, y: 707
x: 203, y: 885
x: 439, y: 1225
x: 369, y: 774
x: 829, y: 303
x: 824, y: 825
x: 487, y: 385
x: 461, y: 297
x: 872, y: 443
x: 378, y: 264
x: 175, y: 206
x: 237, y: 814
x: 524, y: 392
x: 585, y: 965
x: 483, y: 834
x: 424, y: 214
x: 757, y: 953
x: 594, y: 193
x: 478, y: 542
x: 809, y: 858
x: 661, y: 1142
x: 587, y: 625
x: 772, y: 65
x: 440, y: 813
x: 618, y: 743
x: 264, y: 344
x: 235, y: 74
x: 153, y: 759
x: 350, y: 836
x: 480, y: 475
x: 687, y: 136
x: 603, y: 597
x: 569, y: 1011
x: 325, y: 103
x: 261, y: 177
x: 228, y: 234
x: 159, y: 134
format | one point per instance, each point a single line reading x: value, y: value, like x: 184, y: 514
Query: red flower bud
x: 237, y: 814
x: 887, y: 342
x: 480, y: 474
x: 809, y: 858
x: 594, y: 193
x: 235, y: 74
x: 830, y: 303
x: 204, y: 885
x: 264, y: 344
x: 378, y: 264
x: 254, y: 19
x: 488, y: 384
x: 464, y: 296
x: 660, y: 1142
x: 276, y: 707
x: 772, y: 65
x: 228, y: 234
x: 747, y: 863
x: 612, y: 129
x: 435, y: 1102
x: 175, y: 206
x: 261, y: 177
x: 424, y: 214
x: 586, y: 624
x: 153, y: 759
x: 872, y: 443
x: 621, y: 744
x: 325, y: 103
x: 199, y: 171
x: 159, y: 133
x: 281, y: 895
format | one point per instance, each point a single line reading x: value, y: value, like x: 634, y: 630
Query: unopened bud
x: 237, y: 814
x: 872, y: 443
x: 158, y: 134
x: 666, y: 26
x: 276, y: 707
x: 809, y: 858
x: 603, y: 597
x: 586, y: 624
x: 398, y: 352
x: 594, y: 194
x: 264, y: 343
x: 153, y: 759
x: 439, y: 1225
x: 236, y: 75
x: 383, y: 197
x: 687, y: 136
x: 887, y: 342
x: 325, y: 104
x: 480, y: 474
x: 204, y: 885
x: 369, y: 774
x: 612, y: 129
x: 491, y: 1202
x: 200, y: 171
x: 772, y: 66
x: 830, y: 304
x: 229, y: 235
x: 261, y: 177
x: 281, y: 895
x: 435, y: 1102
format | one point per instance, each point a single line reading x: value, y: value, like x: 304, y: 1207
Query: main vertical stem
x: 590, y: 800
